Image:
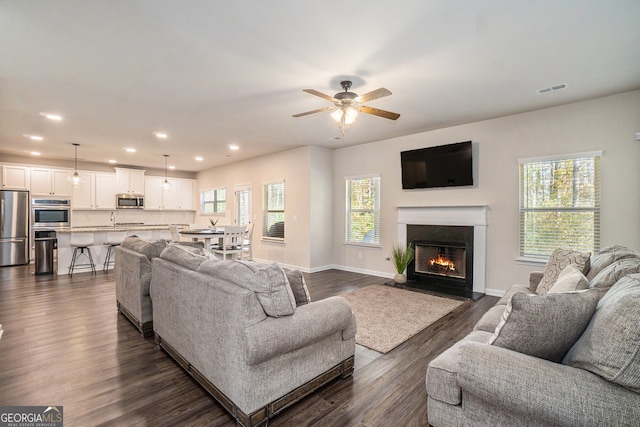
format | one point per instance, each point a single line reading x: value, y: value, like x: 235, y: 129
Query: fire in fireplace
x: 449, y: 261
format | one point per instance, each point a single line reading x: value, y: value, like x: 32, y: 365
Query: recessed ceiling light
x: 35, y: 153
x: 113, y: 161
x: 171, y: 167
x: 199, y: 159
x: 130, y: 150
x: 233, y: 147
x: 33, y: 137
x: 161, y: 135
x: 51, y: 116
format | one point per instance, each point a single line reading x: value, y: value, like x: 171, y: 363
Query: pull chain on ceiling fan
x: 347, y: 105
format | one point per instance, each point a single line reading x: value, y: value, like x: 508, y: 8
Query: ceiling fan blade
x: 319, y: 110
x: 320, y: 94
x: 378, y: 93
x: 380, y: 113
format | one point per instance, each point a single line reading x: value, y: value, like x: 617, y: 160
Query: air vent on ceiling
x: 552, y: 88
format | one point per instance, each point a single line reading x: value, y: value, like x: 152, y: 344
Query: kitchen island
x: 99, y: 247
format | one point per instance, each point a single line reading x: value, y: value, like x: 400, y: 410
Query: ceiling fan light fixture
x: 337, y: 115
x: 350, y: 115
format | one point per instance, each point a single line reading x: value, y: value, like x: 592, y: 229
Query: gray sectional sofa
x: 248, y: 332
x: 568, y: 356
x: 133, y: 275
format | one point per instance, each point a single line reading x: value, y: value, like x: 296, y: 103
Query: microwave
x: 129, y: 201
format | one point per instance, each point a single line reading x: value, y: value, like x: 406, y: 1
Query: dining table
x: 205, y: 234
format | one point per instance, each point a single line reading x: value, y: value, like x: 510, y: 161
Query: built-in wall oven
x: 50, y: 213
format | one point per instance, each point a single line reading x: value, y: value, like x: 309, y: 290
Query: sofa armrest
x: 307, y: 325
x: 538, y: 390
x: 534, y: 279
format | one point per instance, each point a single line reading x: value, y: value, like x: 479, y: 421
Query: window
x: 213, y: 201
x: 560, y: 204
x: 273, y: 224
x: 363, y: 210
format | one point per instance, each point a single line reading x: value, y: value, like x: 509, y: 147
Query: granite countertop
x: 118, y: 227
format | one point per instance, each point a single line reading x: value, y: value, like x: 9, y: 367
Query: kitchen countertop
x: 118, y: 227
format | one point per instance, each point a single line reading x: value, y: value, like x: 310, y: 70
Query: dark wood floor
x: 64, y: 344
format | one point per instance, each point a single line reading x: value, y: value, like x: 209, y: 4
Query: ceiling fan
x: 346, y: 105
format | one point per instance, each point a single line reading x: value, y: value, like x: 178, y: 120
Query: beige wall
x: 605, y: 124
x: 294, y: 167
x: 321, y: 208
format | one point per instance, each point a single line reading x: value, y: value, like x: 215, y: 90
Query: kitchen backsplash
x: 97, y: 218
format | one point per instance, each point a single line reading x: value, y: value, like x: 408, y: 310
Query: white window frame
x: 266, y: 211
x: 215, y: 202
x: 543, y: 252
x: 348, y: 238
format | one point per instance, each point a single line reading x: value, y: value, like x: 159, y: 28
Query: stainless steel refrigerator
x: 14, y: 227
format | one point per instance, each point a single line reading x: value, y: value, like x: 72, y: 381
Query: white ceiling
x: 212, y: 73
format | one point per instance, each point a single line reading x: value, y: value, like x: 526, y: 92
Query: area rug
x: 388, y: 316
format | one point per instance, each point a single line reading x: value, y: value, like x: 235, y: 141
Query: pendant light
x: 166, y: 185
x: 75, y: 178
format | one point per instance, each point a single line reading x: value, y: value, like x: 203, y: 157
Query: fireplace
x: 443, y: 256
x: 450, y: 244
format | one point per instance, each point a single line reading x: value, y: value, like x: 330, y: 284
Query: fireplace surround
x: 450, y: 243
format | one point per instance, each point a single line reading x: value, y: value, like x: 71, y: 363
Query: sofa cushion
x: 490, y: 319
x: 545, y: 326
x: 610, y: 346
x: 512, y: 290
x: 442, y: 372
x: 558, y: 260
x: 606, y: 278
x: 570, y: 279
x: 185, y: 256
x: 607, y: 256
x: 150, y: 249
x: 298, y: 286
x: 269, y: 282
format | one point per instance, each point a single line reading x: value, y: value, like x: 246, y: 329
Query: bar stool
x: 113, y: 239
x: 81, y: 241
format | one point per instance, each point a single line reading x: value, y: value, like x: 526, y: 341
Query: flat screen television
x: 448, y: 165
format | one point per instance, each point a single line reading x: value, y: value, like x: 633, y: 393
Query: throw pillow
x: 544, y: 326
x: 606, y: 278
x: 298, y: 286
x: 183, y: 255
x: 150, y: 249
x: 610, y: 346
x: 607, y: 256
x: 559, y: 259
x: 570, y: 279
x: 268, y: 282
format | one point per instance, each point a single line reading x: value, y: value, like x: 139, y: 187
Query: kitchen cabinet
x: 50, y: 182
x: 96, y: 191
x: 83, y: 196
x: 15, y: 177
x: 105, y: 191
x: 130, y: 181
x: 179, y: 197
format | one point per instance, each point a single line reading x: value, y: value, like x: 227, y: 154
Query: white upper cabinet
x: 130, y: 181
x: 105, y: 191
x: 96, y: 191
x: 178, y: 198
x: 84, y: 194
x: 50, y: 182
x: 15, y: 177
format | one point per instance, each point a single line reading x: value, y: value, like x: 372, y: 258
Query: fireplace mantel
x: 470, y: 215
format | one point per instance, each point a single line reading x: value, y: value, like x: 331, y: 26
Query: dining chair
x: 232, y: 242
x: 175, y: 235
x: 247, y: 242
